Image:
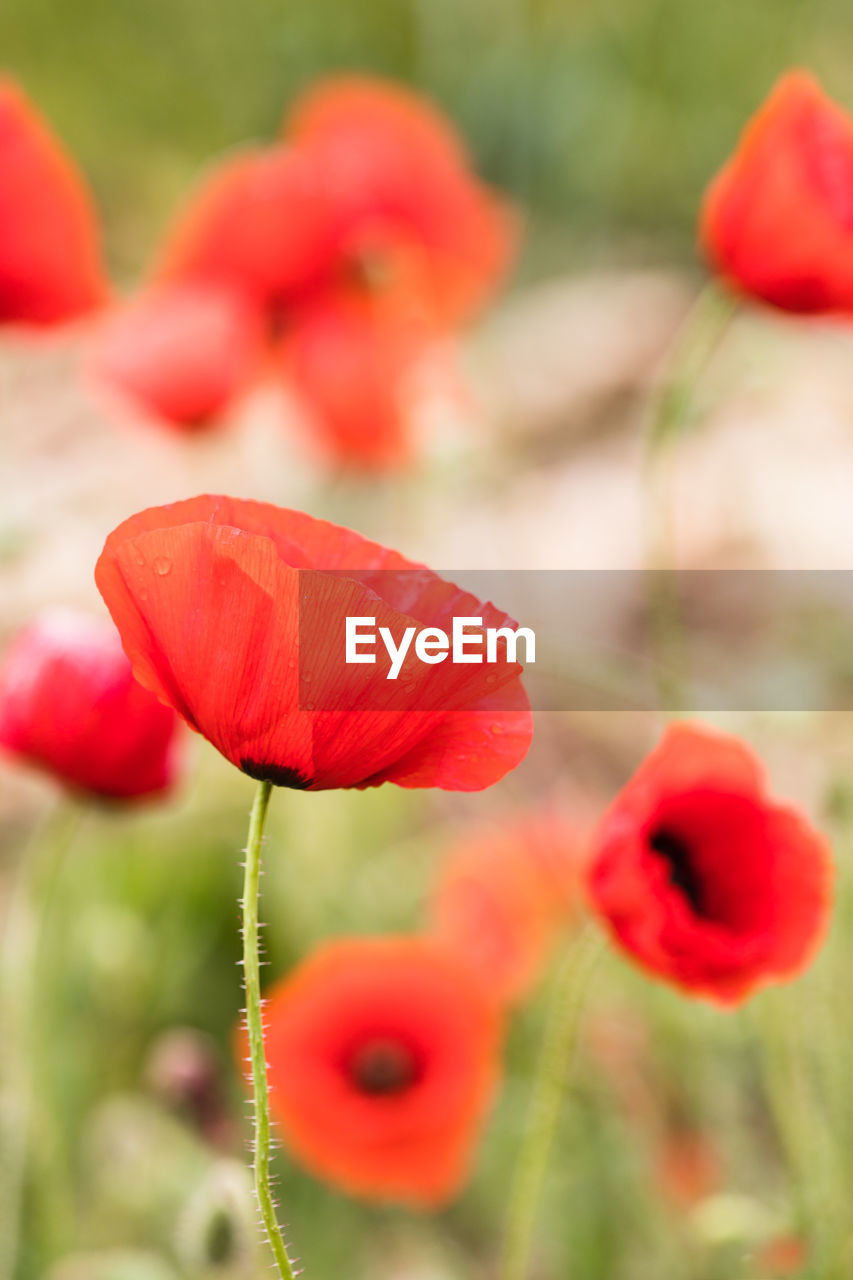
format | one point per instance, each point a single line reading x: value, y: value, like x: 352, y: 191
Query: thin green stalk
x: 802, y: 1130
x: 254, y: 1025
x: 23, y: 929
x: 559, y: 1043
x: 669, y: 410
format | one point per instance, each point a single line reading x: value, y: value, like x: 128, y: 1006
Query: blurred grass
x: 604, y: 118
x: 142, y: 938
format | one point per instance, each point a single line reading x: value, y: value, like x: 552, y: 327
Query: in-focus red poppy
x: 233, y: 613
x: 50, y: 265
x: 354, y: 358
x: 777, y: 221
x: 383, y: 1058
x: 70, y: 705
x: 400, y: 185
x: 260, y: 224
x: 505, y: 893
x: 704, y: 879
x: 181, y: 354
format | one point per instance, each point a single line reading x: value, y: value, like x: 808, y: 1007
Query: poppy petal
x: 50, y: 265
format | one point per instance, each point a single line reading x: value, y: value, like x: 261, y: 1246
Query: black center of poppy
x: 383, y: 1066
x: 675, y: 852
x: 278, y: 774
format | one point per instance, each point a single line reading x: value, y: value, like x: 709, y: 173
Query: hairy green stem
x: 555, y: 1059
x: 254, y: 1026
x: 19, y: 1066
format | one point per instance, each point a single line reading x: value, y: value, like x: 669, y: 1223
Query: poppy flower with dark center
x: 504, y: 895
x: 70, y: 705
x: 180, y: 354
x: 777, y: 221
x: 234, y: 613
x: 702, y: 877
x: 50, y: 264
x: 382, y: 1061
x: 399, y: 183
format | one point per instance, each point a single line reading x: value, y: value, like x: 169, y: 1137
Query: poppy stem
x: 667, y: 418
x: 254, y: 1026
x: 559, y: 1043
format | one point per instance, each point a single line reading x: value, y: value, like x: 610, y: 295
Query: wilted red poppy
x: 50, y: 268
x: 382, y: 1061
x: 354, y: 358
x: 234, y: 614
x: 180, y: 354
x: 777, y: 221
x: 505, y: 893
x: 69, y: 704
x: 400, y: 187
x: 704, y: 879
x: 259, y: 223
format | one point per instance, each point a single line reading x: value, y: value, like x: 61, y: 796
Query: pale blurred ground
x: 541, y: 468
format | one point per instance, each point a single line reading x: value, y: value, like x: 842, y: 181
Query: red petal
x: 258, y: 223
x: 181, y: 354
x: 777, y: 221
x: 50, y: 267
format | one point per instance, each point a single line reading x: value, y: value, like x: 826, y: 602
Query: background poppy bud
x: 704, y: 879
x: 777, y: 221
x: 382, y: 1060
x: 69, y: 704
x: 50, y: 267
x: 179, y: 354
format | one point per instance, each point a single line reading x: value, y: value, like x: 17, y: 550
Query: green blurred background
x: 605, y: 118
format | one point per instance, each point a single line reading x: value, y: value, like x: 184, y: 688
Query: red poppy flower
x: 400, y: 188
x: 69, y: 704
x: 704, y: 879
x: 503, y: 896
x: 354, y: 358
x: 234, y: 614
x: 259, y: 223
x: 50, y: 269
x: 181, y: 354
x: 382, y: 1061
x: 777, y: 221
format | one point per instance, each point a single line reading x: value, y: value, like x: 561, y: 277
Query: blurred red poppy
x: 180, y: 354
x: 353, y: 358
x: 234, y: 614
x: 504, y: 895
x: 705, y: 880
x: 50, y: 267
x: 382, y: 1061
x: 777, y: 221
x: 258, y: 223
x: 401, y: 190
x: 69, y: 704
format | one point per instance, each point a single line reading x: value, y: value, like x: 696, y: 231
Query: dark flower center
x: 278, y: 774
x: 383, y: 1066
x: 676, y: 853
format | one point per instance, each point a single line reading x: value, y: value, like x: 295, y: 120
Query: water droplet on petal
x: 162, y: 565
x: 497, y: 728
